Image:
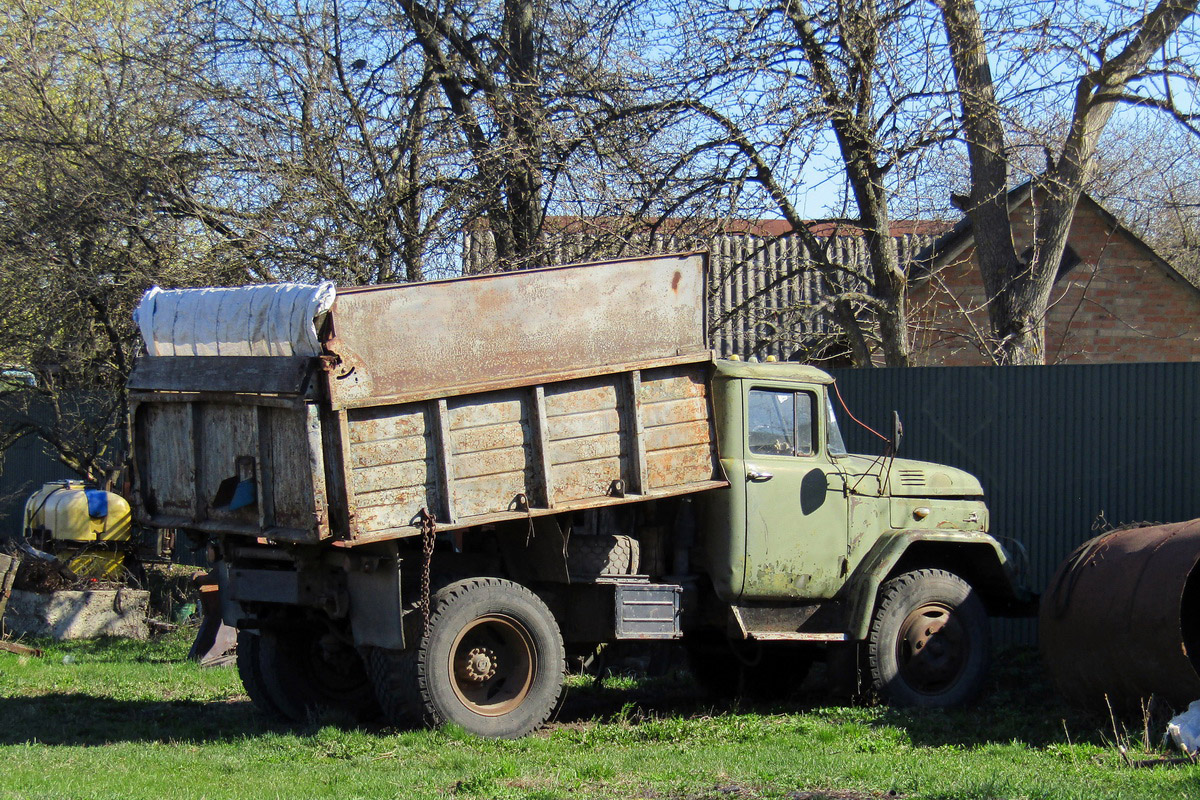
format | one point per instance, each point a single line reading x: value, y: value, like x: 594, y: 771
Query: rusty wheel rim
x: 932, y: 648
x: 492, y: 664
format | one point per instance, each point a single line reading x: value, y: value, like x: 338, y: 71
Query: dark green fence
x: 1061, y: 451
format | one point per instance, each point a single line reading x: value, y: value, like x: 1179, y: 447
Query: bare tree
x: 1104, y: 65
x: 93, y: 210
x: 782, y: 85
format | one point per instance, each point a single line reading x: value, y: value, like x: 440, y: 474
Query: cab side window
x: 782, y: 423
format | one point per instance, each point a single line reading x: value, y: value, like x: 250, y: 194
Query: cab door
x: 796, y: 508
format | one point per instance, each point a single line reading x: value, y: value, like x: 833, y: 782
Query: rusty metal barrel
x: 1120, y: 620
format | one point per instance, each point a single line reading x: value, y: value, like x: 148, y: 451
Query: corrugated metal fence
x: 1060, y: 450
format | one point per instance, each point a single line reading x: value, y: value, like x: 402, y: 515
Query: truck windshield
x: 837, y: 447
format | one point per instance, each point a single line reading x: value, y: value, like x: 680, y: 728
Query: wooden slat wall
x: 593, y: 432
x: 191, y: 447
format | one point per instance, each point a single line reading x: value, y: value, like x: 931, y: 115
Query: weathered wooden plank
x: 672, y: 384
x: 402, y: 514
x: 410, y: 497
x: 291, y: 469
x: 488, y: 494
x: 229, y: 432
x: 167, y: 433
x: 392, y: 451
x: 669, y: 437
x: 579, y: 397
x: 491, y: 462
x: 585, y: 448
x: 387, y: 422
x: 393, y: 476
x: 490, y: 408
x: 673, y: 412
x: 489, y: 437
x: 680, y: 465
x: 251, y: 374
x: 584, y: 479
x: 587, y: 423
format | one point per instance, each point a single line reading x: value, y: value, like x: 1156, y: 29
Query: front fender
x: 974, y: 556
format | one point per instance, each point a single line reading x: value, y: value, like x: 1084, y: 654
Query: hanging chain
x: 428, y: 535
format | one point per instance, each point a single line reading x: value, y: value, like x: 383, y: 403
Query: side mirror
x: 897, y: 432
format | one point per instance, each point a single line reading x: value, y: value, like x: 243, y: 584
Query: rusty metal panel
x: 492, y: 448
x: 442, y: 338
x: 585, y: 446
x: 1120, y: 620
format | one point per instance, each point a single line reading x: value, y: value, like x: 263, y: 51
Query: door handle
x: 757, y: 475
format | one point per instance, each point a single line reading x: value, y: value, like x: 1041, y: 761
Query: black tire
x: 394, y: 675
x: 493, y: 660
x: 928, y: 644
x: 603, y: 554
x: 249, y: 669
x: 762, y: 671
x: 309, y: 673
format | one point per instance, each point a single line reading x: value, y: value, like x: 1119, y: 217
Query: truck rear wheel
x: 302, y: 674
x: 493, y: 659
x: 928, y: 644
x: 249, y: 669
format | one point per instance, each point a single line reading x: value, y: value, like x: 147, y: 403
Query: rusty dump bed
x: 476, y: 400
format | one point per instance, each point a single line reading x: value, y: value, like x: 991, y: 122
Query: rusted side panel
x: 678, y: 430
x: 523, y: 451
x: 1120, y: 621
x: 446, y: 338
x: 491, y: 446
x: 393, y: 460
x: 586, y: 449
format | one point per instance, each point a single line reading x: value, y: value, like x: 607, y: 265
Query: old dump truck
x: 420, y: 498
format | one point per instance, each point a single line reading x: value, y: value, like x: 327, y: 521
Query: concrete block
x: 79, y: 615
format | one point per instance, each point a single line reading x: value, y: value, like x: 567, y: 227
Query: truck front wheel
x: 493, y: 659
x: 928, y: 644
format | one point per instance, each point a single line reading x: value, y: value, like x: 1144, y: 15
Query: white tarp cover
x: 270, y: 320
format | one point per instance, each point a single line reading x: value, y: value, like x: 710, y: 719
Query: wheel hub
x: 480, y: 665
x: 492, y: 664
x: 932, y: 648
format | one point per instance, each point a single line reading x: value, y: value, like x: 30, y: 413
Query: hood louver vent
x: 911, y: 477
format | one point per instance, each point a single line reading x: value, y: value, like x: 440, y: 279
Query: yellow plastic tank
x: 65, y: 510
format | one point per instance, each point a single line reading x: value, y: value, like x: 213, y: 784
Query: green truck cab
x: 813, y: 545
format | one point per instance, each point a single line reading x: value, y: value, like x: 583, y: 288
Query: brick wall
x: 1120, y: 303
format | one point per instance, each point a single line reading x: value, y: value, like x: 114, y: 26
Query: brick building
x: 1114, y: 299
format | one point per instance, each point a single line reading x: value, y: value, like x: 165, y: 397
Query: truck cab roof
x: 772, y: 370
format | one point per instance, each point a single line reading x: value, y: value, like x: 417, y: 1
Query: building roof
x: 822, y: 228
x: 962, y: 236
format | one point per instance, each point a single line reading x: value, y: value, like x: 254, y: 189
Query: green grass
x: 121, y: 719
